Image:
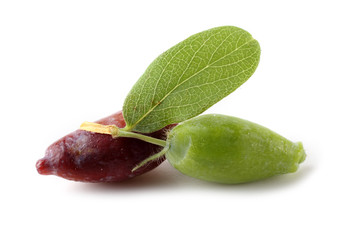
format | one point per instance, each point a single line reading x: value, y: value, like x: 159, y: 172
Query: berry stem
x: 151, y: 158
x: 115, y: 132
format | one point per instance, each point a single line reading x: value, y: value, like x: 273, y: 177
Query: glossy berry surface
x: 93, y: 157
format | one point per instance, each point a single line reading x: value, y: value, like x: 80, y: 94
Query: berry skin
x: 231, y: 150
x: 91, y: 157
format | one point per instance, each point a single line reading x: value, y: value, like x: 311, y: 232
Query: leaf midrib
x: 187, y: 79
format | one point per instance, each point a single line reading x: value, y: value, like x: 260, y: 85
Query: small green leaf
x: 190, y: 77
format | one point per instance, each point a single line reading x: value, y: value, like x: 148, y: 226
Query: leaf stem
x: 115, y: 132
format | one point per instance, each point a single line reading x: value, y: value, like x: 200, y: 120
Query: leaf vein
x: 181, y: 82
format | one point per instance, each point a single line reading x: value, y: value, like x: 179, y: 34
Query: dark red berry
x: 93, y: 157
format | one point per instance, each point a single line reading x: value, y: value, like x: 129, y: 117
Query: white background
x: 63, y: 62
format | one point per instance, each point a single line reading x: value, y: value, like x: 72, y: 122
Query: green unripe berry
x: 226, y: 149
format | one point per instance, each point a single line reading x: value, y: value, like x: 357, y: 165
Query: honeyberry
x: 90, y: 157
x: 226, y: 149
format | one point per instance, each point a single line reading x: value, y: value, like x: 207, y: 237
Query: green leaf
x: 190, y: 77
